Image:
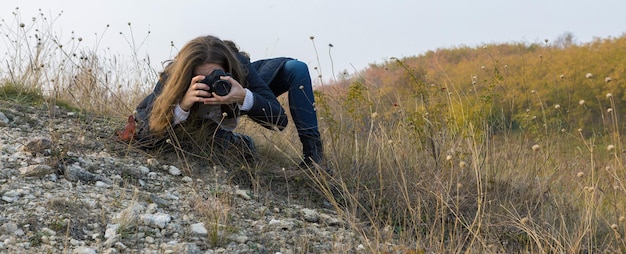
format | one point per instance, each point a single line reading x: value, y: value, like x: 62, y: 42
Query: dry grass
x: 416, y: 177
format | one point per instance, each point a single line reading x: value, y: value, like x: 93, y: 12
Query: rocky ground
x: 67, y: 186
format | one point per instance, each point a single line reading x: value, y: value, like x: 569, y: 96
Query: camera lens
x: 221, y: 87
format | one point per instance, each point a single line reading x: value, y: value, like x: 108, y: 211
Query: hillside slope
x: 67, y: 186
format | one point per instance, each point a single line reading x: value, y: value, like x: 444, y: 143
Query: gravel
x: 67, y: 186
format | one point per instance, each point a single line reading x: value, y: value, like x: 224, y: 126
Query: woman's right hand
x: 197, y: 92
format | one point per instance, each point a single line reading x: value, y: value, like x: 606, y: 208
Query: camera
x: 217, y: 85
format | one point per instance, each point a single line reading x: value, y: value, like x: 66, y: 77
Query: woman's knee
x: 296, y: 67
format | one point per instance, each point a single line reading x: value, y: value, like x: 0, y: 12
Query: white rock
x: 310, y: 215
x: 8, y: 199
x: 187, y: 179
x: 102, y: 184
x: 3, y: 118
x: 198, y: 229
x: 174, y: 171
x: 35, y: 170
x: 12, y: 194
x: 159, y: 220
x: 149, y: 239
x: 111, y: 230
x: 144, y: 170
x: 84, y: 250
x: 242, y: 194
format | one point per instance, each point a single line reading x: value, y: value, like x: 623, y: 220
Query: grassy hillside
x: 510, y: 147
x: 514, y: 147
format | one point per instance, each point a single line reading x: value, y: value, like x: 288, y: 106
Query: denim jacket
x: 266, y: 110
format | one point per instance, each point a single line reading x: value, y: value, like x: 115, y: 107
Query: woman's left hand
x: 237, y: 94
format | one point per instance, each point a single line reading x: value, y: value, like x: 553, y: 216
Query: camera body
x: 217, y: 85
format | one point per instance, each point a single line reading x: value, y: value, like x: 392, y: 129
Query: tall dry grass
x: 428, y: 170
x: 440, y: 171
x: 63, y: 68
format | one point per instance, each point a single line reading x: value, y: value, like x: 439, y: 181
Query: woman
x: 182, y: 98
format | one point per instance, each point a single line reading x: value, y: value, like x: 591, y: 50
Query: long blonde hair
x: 177, y: 75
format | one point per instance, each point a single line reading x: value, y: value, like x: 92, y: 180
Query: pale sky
x: 361, y: 31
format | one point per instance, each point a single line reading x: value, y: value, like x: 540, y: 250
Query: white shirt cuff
x: 248, y: 101
x: 180, y: 114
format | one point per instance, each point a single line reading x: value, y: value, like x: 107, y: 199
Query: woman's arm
x: 266, y: 110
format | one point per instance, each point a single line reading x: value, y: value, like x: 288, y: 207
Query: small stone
x: 149, y: 239
x: 174, y: 171
x: 102, y: 184
x: 242, y: 194
x: 9, y: 228
x: 4, y: 119
x: 48, y: 231
x: 158, y: 200
x: 187, y: 179
x: 38, y: 145
x: 159, y: 220
x: 198, y: 229
x: 152, y: 208
x: 35, y: 170
x: 310, y: 215
x: 84, y: 250
x: 144, y: 170
x: 111, y: 231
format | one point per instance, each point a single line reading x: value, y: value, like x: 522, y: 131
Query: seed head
x: 312, y: 37
x: 563, y: 130
x: 607, y: 79
x: 374, y: 115
x: 589, y: 75
x: 449, y: 157
x: 621, y: 219
x: 591, y: 189
x: 580, y: 174
x: 609, y: 95
x: 482, y: 67
x: 224, y: 114
x: 523, y: 220
x: 609, y: 110
x: 580, y: 130
x: 562, y: 76
x: 557, y: 106
x: 533, y: 91
x: 610, y: 148
x: 581, y: 102
x: 614, y: 226
x: 463, y: 164
x: 536, y: 147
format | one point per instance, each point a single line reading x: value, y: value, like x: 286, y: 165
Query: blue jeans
x: 294, y: 78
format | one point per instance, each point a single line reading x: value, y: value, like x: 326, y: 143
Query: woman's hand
x: 237, y: 94
x: 197, y: 92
